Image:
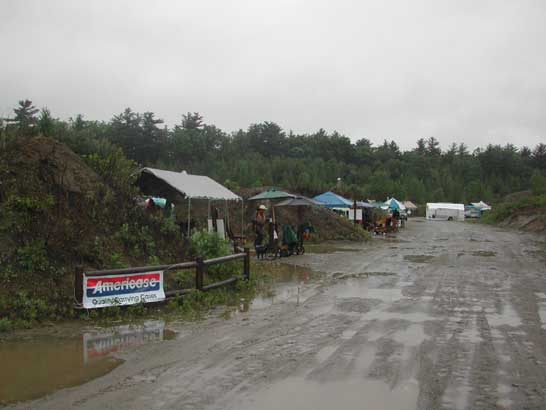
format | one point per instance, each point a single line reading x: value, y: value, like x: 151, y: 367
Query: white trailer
x: 444, y: 211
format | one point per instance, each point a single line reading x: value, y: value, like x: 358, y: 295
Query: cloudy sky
x: 461, y: 70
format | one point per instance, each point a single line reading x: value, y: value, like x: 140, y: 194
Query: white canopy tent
x: 481, y: 205
x: 445, y: 211
x: 195, y: 187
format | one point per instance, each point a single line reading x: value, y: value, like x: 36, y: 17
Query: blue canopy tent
x: 395, y: 204
x: 332, y: 200
x: 362, y: 204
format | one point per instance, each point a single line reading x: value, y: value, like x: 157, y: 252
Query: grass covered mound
x: 328, y: 225
x: 522, y: 210
x: 59, y: 210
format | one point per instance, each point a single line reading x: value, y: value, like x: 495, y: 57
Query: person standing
x: 259, y: 223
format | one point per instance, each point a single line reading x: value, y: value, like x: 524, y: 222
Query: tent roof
x: 393, y: 203
x: 193, y: 186
x: 410, y: 205
x: 332, y: 200
x: 377, y: 204
x: 271, y: 194
x: 362, y: 204
x: 480, y: 205
x: 445, y: 205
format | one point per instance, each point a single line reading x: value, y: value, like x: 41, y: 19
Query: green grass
x: 503, y: 211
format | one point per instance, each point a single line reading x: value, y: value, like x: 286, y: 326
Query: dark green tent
x: 271, y: 194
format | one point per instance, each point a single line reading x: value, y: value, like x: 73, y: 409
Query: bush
x: 5, y: 325
x: 503, y: 211
x: 538, y: 183
x: 208, y: 245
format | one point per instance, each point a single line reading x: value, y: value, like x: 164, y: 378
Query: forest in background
x: 266, y: 155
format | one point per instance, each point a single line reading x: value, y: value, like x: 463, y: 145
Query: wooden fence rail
x: 200, y: 265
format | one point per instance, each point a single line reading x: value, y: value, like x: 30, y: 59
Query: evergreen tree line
x: 266, y: 155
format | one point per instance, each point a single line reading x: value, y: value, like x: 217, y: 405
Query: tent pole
x: 189, y: 214
x: 209, y: 216
x: 242, y: 217
x: 227, y: 212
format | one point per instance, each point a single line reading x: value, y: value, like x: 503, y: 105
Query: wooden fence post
x: 246, y: 264
x: 78, y: 284
x: 199, y: 271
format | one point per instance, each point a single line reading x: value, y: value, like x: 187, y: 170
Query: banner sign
x: 124, y: 289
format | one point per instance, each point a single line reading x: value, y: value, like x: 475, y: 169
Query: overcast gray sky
x: 461, y: 70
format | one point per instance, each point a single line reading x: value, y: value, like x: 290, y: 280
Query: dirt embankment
x: 58, y: 212
x: 523, y: 211
x: 531, y: 219
x: 328, y: 225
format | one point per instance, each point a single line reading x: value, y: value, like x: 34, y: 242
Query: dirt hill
x: 57, y: 213
x: 328, y: 225
x: 521, y: 210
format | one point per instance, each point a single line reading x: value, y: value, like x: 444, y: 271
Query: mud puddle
x: 327, y: 248
x: 484, y: 253
x: 344, y: 275
x: 419, y: 258
x: 38, y: 363
x: 354, y: 393
x: 285, y: 283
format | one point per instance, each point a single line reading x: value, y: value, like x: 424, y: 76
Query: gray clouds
x: 461, y: 70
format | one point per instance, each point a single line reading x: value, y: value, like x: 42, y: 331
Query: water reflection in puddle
x: 289, y: 284
x: 40, y: 364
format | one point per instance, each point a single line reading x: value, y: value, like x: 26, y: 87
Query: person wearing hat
x: 259, y: 222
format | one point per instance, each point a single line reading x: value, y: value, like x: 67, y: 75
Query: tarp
x: 271, y: 194
x: 193, y: 186
x: 332, y: 200
x: 159, y: 201
x: 395, y: 204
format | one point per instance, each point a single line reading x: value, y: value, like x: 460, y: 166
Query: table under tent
x: 190, y: 192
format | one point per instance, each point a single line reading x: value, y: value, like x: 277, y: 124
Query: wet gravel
x: 445, y: 315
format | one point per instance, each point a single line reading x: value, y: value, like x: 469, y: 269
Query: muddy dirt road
x: 445, y: 315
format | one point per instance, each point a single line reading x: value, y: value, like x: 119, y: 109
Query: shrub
x: 208, y: 245
x: 538, y: 183
x: 5, y: 324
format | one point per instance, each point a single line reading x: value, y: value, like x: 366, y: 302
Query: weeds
x: 503, y: 211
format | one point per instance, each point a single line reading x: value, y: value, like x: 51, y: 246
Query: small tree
x: 25, y: 117
x: 46, y: 123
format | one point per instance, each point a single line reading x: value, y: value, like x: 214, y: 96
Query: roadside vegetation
x: 505, y: 210
x: 522, y: 210
x: 67, y: 194
x: 266, y: 155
